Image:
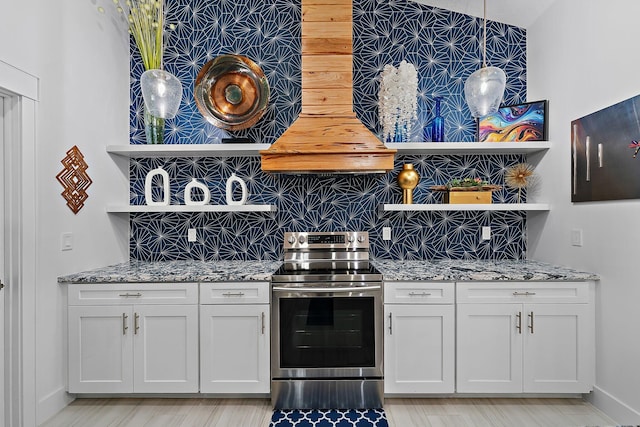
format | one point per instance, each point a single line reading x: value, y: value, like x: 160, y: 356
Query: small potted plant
x: 466, y: 190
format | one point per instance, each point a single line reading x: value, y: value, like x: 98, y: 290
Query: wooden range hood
x: 327, y: 137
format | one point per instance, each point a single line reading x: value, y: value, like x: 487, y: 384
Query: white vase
x: 189, y: 189
x: 148, y: 195
x: 243, y: 186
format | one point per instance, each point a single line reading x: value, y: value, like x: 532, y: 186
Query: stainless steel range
x: 326, y: 348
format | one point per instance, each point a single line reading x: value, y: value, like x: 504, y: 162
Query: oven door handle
x: 325, y: 289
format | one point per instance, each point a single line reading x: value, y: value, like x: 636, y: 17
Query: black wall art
x: 605, y: 153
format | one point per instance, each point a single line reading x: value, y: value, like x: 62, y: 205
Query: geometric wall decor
x: 604, y: 148
x: 74, y: 179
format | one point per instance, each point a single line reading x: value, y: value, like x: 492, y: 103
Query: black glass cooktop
x: 287, y: 274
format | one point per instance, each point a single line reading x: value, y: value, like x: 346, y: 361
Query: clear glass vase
x: 153, y: 128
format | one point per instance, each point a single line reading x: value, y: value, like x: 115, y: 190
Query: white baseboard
x: 51, y: 404
x: 613, y: 407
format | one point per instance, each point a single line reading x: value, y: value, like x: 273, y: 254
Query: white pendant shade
x: 162, y: 93
x: 484, y: 90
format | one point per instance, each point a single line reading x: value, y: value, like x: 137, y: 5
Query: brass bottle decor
x: 408, y: 179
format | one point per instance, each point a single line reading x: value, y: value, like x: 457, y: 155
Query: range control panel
x: 327, y: 240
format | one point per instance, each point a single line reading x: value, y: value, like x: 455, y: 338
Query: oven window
x: 327, y: 332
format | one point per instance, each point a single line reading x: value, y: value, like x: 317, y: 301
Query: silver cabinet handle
x: 517, y: 294
x: 519, y: 324
x: 136, y: 323
x: 263, y: 323
x: 390, y: 324
x: 131, y: 295
x: 419, y: 294
x: 531, y: 322
x: 233, y: 294
x: 124, y: 324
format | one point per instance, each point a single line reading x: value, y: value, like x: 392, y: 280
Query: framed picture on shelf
x: 515, y: 123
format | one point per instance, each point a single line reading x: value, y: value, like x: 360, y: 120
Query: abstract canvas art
x: 515, y: 123
x: 604, y: 153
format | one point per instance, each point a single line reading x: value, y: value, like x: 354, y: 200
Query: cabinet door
x: 419, y: 348
x: 489, y: 344
x: 234, y: 349
x: 165, y: 348
x: 558, y: 348
x: 100, y: 349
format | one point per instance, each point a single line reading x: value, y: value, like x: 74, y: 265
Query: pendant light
x: 162, y: 93
x: 484, y: 88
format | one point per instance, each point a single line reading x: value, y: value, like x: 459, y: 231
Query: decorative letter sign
x: 74, y: 179
x: 195, y: 184
x: 243, y: 186
x: 148, y: 188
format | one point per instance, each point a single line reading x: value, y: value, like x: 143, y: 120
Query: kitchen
x: 71, y: 48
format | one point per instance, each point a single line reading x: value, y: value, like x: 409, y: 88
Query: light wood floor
x: 468, y: 412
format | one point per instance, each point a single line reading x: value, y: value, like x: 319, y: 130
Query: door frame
x: 20, y: 95
x: 3, y: 309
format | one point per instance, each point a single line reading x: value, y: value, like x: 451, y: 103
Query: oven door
x: 327, y: 330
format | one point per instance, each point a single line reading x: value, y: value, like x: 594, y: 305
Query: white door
x: 419, y: 354
x: 100, y: 349
x: 234, y: 349
x: 3, y: 308
x: 489, y: 344
x: 165, y: 348
x: 557, y: 348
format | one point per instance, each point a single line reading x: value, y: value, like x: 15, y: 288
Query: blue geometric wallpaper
x: 444, y: 47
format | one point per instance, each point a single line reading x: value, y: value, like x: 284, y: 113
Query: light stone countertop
x: 478, y: 270
x: 177, y: 271
x: 392, y: 270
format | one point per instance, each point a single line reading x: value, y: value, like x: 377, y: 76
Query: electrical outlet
x: 486, y: 233
x: 191, y: 235
x: 576, y: 237
x: 386, y: 233
x: 66, y: 241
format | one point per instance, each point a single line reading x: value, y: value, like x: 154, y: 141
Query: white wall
x: 584, y: 56
x: 81, y: 59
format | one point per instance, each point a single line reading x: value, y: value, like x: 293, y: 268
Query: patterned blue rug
x: 329, y: 418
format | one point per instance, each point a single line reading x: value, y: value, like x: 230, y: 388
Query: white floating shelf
x: 187, y: 150
x: 469, y: 147
x: 185, y: 208
x: 241, y: 150
x: 468, y: 207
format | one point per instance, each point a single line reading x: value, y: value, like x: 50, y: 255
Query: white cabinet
x: 126, y: 338
x: 234, y: 338
x: 419, y: 352
x: 100, y: 349
x: 525, y: 337
x: 165, y: 349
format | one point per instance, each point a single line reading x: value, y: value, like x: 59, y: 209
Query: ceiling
x: 521, y: 13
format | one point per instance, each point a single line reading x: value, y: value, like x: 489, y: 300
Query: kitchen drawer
x: 235, y: 293
x: 132, y: 293
x: 419, y: 292
x: 510, y: 292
